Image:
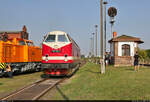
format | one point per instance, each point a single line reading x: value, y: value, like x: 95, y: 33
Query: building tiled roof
x: 125, y: 38
x: 10, y: 32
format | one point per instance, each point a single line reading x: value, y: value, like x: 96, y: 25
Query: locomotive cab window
x: 21, y: 43
x: 62, y: 38
x: 50, y: 38
x: 30, y: 44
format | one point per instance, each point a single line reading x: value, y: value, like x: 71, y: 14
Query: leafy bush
x: 144, y: 55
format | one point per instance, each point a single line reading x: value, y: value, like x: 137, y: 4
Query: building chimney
x: 114, y: 34
x: 24, y: 29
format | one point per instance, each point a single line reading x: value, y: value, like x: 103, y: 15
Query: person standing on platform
x: 106, y: 59
x: 136, y: 62
x: 9, y: 71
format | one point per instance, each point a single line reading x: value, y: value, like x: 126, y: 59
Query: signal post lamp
x: 112, y: 12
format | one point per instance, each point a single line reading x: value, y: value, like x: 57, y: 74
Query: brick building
x: 122, y: 49
x: 14, y: 34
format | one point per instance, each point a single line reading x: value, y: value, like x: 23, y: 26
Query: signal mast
x: 112, y: 12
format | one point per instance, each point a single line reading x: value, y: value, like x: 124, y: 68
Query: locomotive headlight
x: 66, y: 59
x: 46, y: 59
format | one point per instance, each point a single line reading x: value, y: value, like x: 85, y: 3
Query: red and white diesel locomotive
x: 60, y: 54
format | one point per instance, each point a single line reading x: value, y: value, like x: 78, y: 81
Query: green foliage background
x: 144, y: 55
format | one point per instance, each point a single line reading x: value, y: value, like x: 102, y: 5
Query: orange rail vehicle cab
x: 21, y: 53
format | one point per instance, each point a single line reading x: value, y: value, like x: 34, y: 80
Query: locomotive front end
x: 57, y: 56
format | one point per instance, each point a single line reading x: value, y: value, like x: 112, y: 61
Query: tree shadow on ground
x: 1, y: 84
x: 23, y: 73
x: 62, y: 94
x: 92, y: 71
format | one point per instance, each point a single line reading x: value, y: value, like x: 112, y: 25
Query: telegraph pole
x: 96, y: 42
x: 102, y: 50
x: 101, y: 29
x: 105, y: 3
x: 90, y: 54
x: 93, y: 44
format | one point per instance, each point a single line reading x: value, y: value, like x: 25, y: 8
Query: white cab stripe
x: 57, y: 58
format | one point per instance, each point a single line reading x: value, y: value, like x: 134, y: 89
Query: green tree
x: 148, y: 56
x: 142, y: 54
x: 82, y: 56
x: 148, y: 53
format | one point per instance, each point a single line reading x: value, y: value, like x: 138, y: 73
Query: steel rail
x: 22, y: 89
x: 48, y: 89
x: 51, y: 82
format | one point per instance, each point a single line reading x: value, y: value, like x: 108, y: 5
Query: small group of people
x: 136, y: 60
x: 6, y: 69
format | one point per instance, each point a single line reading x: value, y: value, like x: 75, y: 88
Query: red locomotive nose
x: 60, y: 50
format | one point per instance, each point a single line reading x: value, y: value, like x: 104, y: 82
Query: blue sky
x: 76, y: 17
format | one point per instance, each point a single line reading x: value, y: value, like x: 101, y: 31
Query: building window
x: 125, y: 50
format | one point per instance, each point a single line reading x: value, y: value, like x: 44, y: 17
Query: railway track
x: 34, y: 91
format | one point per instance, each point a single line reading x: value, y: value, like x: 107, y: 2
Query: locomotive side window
x: 62, y: 38
x: 69, y: 38
x: 21, y: 43
x: 50, y: 38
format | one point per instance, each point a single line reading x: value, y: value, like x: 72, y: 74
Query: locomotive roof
x: 61, y: 33
x: 57, y: 32
x: 20, y: 39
